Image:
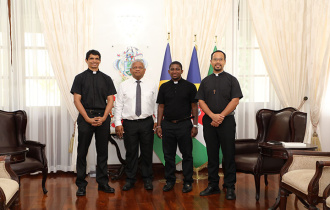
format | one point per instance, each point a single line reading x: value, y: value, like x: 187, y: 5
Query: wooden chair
x: 286, y: 125
x: 306, y: 174
x: 326, y: 197
x: 9, y: 187
x: 12, y: 134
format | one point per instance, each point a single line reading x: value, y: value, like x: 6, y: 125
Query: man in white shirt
x: 136, y: 105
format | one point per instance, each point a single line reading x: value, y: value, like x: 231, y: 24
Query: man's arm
x: 155, y: 107
x: 118, y: 113
x: 230, y: 107
x: 159, y: 130
x: 215, y: 117
x: 107, y: 110
x: 194, y: 112
x: 81, y: 109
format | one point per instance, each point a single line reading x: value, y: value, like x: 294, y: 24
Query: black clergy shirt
x: 218, y: 91
x: 94, y: 88
x: 177, y: 99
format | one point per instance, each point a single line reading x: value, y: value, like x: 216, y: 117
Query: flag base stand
x: 164, y: 181
x: 198, y: 176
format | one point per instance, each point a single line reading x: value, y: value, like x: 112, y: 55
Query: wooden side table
x: 278, y: 151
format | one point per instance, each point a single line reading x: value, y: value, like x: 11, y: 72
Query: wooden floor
x: 61, y: 194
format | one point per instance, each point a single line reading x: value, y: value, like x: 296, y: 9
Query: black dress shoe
x: 187, y: 188
x: 210, y: 190
x: 230, y: 195
x: 148, y: 185
x: 168, y: 187
x: 128, y: 186
x: 106, y: 188
x: 81, y: 191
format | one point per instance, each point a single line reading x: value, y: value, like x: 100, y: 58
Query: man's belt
x: 231, y: 113
x: 95, y: 111
x: 180, y: 120
x: 147, y: 118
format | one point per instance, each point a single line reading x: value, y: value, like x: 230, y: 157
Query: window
x: 252, y: 72
x: 40, y: 85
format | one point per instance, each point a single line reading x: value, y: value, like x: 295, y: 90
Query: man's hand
x: 98, y: 121
x: 119, y: 131
x: 155, y: 126
x: 215, y: 124
x: 159, y: 132
x: 194, y: 132
x: 218, y: 118
x: 93, y: 121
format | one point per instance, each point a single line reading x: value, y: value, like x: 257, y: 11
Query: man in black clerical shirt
x: 176, y: 99
x: 93, y: 97
x: 219, y: 94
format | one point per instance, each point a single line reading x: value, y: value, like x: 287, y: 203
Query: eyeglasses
x: 138, y: 67
x: 217, y: 59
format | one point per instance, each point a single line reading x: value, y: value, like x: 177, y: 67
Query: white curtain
x: 205, y: 19
x: 281, y: 33
x: 68, y: 33
x: 294, y: 40
x: 33, y: 87
x: 4, y: 55
x: 318, y: 57
x: 245, y: 62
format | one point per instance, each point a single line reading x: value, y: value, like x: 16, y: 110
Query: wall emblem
x: 124, y: 61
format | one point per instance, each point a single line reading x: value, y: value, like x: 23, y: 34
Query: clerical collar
x: 218, y: 74
x: 94, y: 72
x: 176, y: 82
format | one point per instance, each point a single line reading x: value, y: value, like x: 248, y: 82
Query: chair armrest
x: 243, y: 146
x: 5, y: 169
x: 302, y: 159
x: 34, y: 143
x: 320, y: 179
x: 36, y: 151
x: 326, y: 192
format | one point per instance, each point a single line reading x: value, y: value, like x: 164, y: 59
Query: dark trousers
x: 138, y: 133
x: 85, y: 134
x: 177, y: 134
x: 223, y: 136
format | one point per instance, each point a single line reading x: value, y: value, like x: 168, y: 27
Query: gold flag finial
x: 216, y: 39
x: 168, y: 36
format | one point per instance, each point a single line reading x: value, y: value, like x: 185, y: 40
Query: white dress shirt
x: 126, y: 100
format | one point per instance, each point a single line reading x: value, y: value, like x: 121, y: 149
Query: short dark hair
x: 224, y: 54
x: 93, y: 52
x: 175, y: 62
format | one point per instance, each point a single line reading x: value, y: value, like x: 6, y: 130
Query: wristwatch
x: 195, y: 126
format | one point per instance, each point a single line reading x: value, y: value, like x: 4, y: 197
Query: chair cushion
x: 8, y: 137
x: 278, y: 129
x: 300, y: 179
x: 327, y: 202
x: 9, y: 187
x: 246, y: 162
x: 30, y: 165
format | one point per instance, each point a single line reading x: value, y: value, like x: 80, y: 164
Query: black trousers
x: 177, y: 134
x: 85, y: 134
x: 223, y: 136
x: 138, y: 133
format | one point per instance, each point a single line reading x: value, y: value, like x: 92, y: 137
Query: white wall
x: 120, y: 24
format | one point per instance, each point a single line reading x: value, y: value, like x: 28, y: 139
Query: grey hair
x: 140, y: 61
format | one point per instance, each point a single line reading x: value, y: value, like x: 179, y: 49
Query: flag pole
x: 198, y: 176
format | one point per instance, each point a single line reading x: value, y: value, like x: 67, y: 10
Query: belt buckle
x: 91, y: 111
